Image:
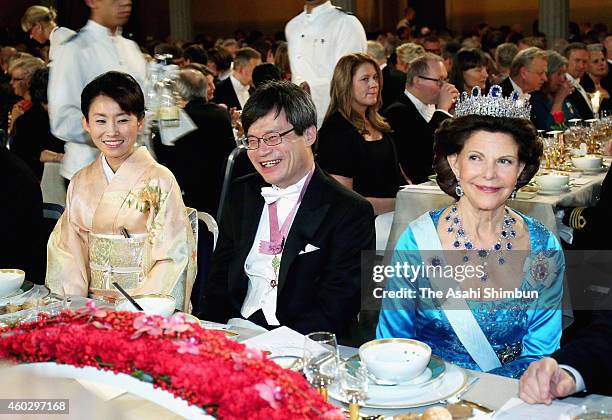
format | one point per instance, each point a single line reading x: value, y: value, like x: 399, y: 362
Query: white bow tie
x: 271, y: 194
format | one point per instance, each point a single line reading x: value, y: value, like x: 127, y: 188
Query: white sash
x: 457, y: 311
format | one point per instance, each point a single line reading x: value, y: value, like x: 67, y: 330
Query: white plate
x: 554, y: 192
x: 594, y: 171
x: 525, y: 195
x: 409, y: 396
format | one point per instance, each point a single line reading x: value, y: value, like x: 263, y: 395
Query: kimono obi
x: 114, y: 258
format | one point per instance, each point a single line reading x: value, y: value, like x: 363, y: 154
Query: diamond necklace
x: 506, y: 234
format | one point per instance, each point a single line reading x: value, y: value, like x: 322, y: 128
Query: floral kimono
x: 134, y: 230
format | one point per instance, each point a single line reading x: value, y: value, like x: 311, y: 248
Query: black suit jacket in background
x: 590, y: 354
x: 225, y: 94
x: 394, y: 85
x: 580, y: 105
x: 21, y: 213
x: 507, y: 87
x: 413, y: 138
x: 199, y: 158
x: 317, y: 291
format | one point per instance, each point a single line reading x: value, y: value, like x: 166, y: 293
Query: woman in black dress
x: 355, y: 146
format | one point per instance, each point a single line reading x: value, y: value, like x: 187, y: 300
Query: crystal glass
x: 354, y: 386
x: 321, y: 360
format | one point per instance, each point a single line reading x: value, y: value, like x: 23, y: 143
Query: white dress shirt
x: 425, y: 110
x: 242, y: 91
x: 580, y: 385
x: 95, y: 50
x: 316, y: 41
x: 580, y: 89
x: 56, y: 38
x: 258, y: 266
x: 516, y: 87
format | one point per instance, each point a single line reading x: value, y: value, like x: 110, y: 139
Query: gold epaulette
x: 576, y: 219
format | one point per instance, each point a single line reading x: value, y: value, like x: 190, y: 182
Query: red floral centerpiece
x: 226, y: 379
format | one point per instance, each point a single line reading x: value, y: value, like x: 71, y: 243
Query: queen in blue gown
x: 480, y: 161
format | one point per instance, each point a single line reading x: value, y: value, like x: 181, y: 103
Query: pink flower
x: 187, y: 346
x: 175, y: 324
x: 270, y: 392
x: 253, y: 353
x: 145, y: 324
x: 92, y: 310
x: 100, y: 325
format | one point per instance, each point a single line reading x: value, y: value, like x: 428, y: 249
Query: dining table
x: 486, y: 390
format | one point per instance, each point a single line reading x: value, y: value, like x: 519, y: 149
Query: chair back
x: 52, y: 184
x: 238, y: 164
x: 207, y: 239
x: 211, y: 224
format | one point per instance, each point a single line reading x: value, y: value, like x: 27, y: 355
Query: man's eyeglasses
x: 270, y: 139
x: 16, y: 79
x: 440, y: 81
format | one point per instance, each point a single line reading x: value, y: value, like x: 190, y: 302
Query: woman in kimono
x: 489, y: 290
x: 125, y: 220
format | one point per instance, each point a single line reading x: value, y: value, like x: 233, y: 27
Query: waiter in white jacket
x: 317, y: 38
x: 97, y: 48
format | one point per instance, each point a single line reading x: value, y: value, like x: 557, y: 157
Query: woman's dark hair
x: 120, y: 87
x: 465, y: 59
x: 450, y: 138
x: 38, y: 85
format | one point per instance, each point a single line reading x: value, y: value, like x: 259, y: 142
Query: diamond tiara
x: 493, y: 104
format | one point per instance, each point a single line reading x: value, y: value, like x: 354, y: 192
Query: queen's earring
x: 458, y: 189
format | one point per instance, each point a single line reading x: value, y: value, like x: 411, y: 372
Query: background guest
x: 199, y: 157
x: 527, y: 72
x: 504, y: 54
x: 393, y: 81
x: 32, y: 140
x: 418, y: 113
x: 281, y: 60
x: 220, y: 62
x: 21, y: 71
x: 265, y: 72
x: 210, y: 78
x: 39, y: 23
x: 195, y: 54
x: 577, y: 56
x: 235, y: 90
x: 469, y: 70
x: 355, y: 146
x: 597, y: 77
x: 549, y: 104
x: 406, y: 53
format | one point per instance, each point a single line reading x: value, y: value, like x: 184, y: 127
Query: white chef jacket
x: 57, y: 37
x: 316, y: 41
x: 76, y: 63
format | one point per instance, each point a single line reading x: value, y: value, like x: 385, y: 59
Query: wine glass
x: 354, y: 385
x: 321, y: 360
